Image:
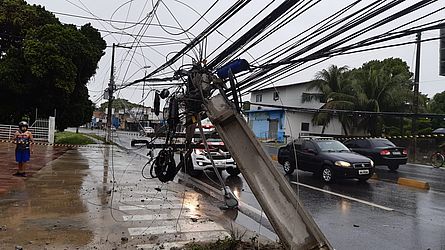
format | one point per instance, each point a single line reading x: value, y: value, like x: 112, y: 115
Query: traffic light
x: 442, y: 52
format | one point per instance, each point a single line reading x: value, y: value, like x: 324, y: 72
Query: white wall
x: 291, y: 95
x: 293, y: 120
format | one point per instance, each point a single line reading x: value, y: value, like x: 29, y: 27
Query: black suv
x: 327, y: 157
x: 382, y: 151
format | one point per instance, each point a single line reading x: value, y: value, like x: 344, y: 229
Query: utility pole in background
x: 110, y: 92
x: 416, y: 93
x: 110, y: 96
x: 416, y: 84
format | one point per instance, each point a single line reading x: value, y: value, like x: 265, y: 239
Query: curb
x: 413, y: 183
x: 425, y: 166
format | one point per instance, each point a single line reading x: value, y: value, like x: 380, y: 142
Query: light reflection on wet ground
x: 71, y: 203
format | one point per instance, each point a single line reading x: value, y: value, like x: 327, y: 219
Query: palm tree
x: 329, y: 81
x: 376, y: 86
x: 377, y: 91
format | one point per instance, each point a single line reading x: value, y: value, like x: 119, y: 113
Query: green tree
x: 45, y: 65
x: 381, y: 86
x: 437, y: 106
x: 329, y: 81
x: 376, y: 86
x: 119, y: 104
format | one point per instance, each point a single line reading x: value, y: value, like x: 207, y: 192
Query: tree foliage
x: 45, y: 65
x: 119, y: 104
x: 437, y: 106
x: 378, y: 86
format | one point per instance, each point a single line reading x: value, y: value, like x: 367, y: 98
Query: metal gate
x: 42, y: 130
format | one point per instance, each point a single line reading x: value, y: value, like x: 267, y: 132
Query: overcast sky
x: 161, y: 42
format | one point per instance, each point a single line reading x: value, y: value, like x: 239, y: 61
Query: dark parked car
x: 381, y: 151
x: 327, y: 157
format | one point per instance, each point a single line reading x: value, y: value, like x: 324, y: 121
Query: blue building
x: 279, y: 124
x: 268, y: 124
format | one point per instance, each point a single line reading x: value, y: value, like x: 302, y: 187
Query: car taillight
x: 385, y: 152
x: 405, y: 152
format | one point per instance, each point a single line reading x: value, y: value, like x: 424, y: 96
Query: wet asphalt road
x: 379, y: 214
x: 70, y: 204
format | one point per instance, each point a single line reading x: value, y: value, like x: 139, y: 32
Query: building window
x: 304, y: 126
x: 276, y: 96
x: 259, y: 98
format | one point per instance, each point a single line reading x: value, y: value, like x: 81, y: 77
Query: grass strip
x: 72, y: 138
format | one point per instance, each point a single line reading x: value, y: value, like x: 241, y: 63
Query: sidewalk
x: 41, y: 156
x: 98, y: 198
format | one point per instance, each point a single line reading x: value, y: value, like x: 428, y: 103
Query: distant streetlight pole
x: 110, y: 92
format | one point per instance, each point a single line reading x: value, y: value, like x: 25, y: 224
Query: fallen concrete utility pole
x: 292, y: 223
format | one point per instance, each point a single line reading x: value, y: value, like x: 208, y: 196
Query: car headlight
x: 344, y: 164
x: 372, y: 163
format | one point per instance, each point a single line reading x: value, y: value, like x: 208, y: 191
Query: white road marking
x: 166, y: 206
x: 148, y: 199
x: 344, y: 196
x: 181, y: 228
x: 157, y: 216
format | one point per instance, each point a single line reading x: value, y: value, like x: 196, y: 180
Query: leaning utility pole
x: 289, y: 218
x: 292, y: 223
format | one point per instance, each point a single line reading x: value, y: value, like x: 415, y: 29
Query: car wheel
x: 233, y: 171
x: 327, y: 175
x: 288, y: 167
x: 393, y: 167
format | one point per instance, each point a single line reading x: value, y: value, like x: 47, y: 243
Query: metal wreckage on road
x: 204, y: 94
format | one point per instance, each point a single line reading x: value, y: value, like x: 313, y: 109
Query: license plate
x: 219, y: 164
x: 396, y: 153
x: 363, y: 171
